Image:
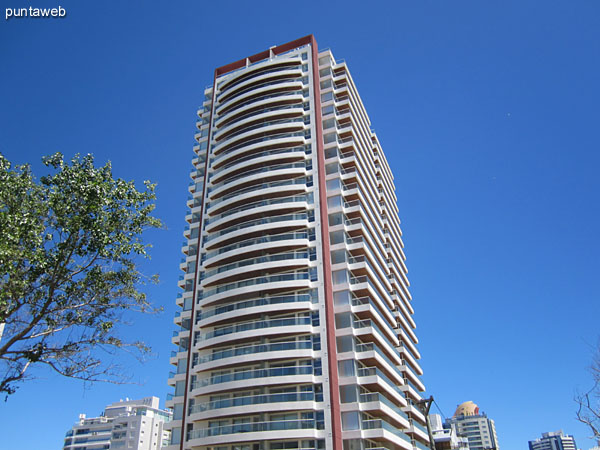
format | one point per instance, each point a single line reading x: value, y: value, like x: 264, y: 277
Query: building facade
x: 127, y: 424
x: 446, y: 438
x: 295, y: 329
x: 475, y: 425
x: 555, y: 440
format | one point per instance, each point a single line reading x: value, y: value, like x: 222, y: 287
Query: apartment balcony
x: 283, y: 100
x: 259, y: 119
x: 252, y: 330
x: 257, y: 431
x: 262, y: 80
x: 232, y: 312
x: 258, y: 93
x: 256, y: 228
x: 257, y: 71
x: 269, y: 403
x: 252, y: 353
x: 259, y: 133
x: 252, y: 267
x: 232, y: 167
x: 255, y: 196
x: 270, y: 376
x: 259, y: 178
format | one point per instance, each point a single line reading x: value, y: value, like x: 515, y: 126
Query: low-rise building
x: 130, y: 424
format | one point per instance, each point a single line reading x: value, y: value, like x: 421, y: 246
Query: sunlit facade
x: 295, y: 329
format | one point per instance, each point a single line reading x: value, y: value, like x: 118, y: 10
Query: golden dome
x: 467, y: 409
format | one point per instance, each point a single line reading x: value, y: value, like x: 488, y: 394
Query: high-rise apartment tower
x: 296, y: 327
x: 475, y: 425
x: 555, y: 440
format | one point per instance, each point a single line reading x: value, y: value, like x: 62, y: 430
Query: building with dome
x: 475, y: 425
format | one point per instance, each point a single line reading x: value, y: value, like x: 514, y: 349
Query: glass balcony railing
x: 262, y: 125
x: 255, y: 113
x: 253, y: 400
x: 251, y: 223
x: 276, y: 425
x: 255, y: 281
x: 371, y: 347
x: 259, y: 260
x: 205, y: 313
x: 260, y: 240
x: 379, y: 423
x: 377, y: 397
x: 262, y: 169
x: 375, y: 371
x: 230, y: 96
x: 237, y: 161
x: 423, y: 428
x: 368, y: 323
x: 269, y: 137
x: 258, y: 348
x: 356, y: 301
x: 257, y: 187
x: 231, y: 108
x: 258, y: 325
x: 253, y: 205
x: 227, y: 84
x: 253, y: 374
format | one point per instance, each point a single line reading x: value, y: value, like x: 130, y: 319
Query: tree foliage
x: 588, y: 411
x: 68, y: 250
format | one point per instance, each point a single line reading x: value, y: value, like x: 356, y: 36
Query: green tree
x: 69, y: 244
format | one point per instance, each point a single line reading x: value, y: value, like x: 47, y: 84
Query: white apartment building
x: 126, y: 424
x: 295, y: 329
x: 475, y: 426
x: 555, y: 440
x: 446, y: 438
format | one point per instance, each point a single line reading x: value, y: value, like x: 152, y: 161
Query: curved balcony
x: 206, y: 316
x: 259, y: 93
x: 269, y: 102
x: 274, y: 207
x: 256, y: 115
x: 257, y: 81
x: 280, y: 174
x: 253, y: 121
x: 276, y: 402
x: 256, y: 162
x: 257, y: 431
x: 268, y: 376
x: 269, y: 283
x: 294, y: 325
x: 255, y: 352
x: 258, y: 265
x: 290, y: 189
x: 261, y: 133
x: 259, y: 69
x: 272, y: 142
x: 257, y: 227
x: 269, y: 242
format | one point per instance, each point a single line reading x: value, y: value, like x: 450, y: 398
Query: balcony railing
x: 260, y: 240
x: 253, y: 400
x: 263, y: 301
x: 253, y: 282
x: 258, y: 325
x: 259, y: 348
x: 253, y: 374
x: 276, y: 425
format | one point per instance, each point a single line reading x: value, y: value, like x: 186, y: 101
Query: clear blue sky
x: 488, y: 112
